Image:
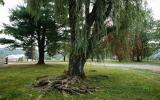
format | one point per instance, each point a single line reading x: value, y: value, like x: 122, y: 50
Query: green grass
x: 16, y: 83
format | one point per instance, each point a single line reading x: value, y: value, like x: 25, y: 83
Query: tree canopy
x: 88, y: 24
x: 43, y: 33
x: 2, y: 2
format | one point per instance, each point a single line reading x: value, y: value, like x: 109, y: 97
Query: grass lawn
x: 120, y: 84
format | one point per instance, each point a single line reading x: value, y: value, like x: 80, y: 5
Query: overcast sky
x: 4, y: 13
x: 4, y: 10
x: 155, y: 6
x: 9, y: 4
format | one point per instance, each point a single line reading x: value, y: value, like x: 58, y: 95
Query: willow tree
x: 88, y: 26
x: 129, y: 22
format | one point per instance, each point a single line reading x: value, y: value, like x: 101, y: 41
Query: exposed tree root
x: 67, y: 84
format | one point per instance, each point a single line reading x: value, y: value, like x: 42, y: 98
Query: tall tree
x: 89, y: 39
x: 87, y: 25
x: 44, y: 32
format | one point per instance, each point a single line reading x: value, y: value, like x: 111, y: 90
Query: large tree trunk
x: 76, y: 65
x: 77, y: 61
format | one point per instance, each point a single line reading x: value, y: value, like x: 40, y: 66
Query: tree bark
x: 77, y: 61
x: 41, y: 55
x: 76, y: 65
x: 64, y: 58
x: 138, y: 59
x: 41, y: 47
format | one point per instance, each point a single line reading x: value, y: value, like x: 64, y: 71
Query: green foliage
x: 132, y: 20
x: 30, y: 34
x: 1, y: 2
x: 125, y: 14
x: 153, y: 37
x: 30, y: 51
x: 64, y: 48
x: 156, y: 31
x: 36, y: 5
x: 6, y: 41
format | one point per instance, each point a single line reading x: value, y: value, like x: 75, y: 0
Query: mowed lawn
x: 114, y: 84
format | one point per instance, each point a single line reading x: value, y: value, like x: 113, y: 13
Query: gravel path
x: 151, y: 67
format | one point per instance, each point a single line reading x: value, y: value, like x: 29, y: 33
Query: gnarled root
x: 72, y: 85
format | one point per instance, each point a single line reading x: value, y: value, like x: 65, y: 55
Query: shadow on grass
x: 97, y: 78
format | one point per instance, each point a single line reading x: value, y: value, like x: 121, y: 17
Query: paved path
x: 151, y: 67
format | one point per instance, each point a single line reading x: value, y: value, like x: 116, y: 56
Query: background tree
x: 43, y: 32
x: 30, y: 52
x: 1, y: 2
x: 130, y: 38
x: 64, y: 50
x: 156, y: 34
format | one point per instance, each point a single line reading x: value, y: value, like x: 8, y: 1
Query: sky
x: 4, y: 10
x: 10, y: 4
x: 4, y: 13
x: 155, y: 6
